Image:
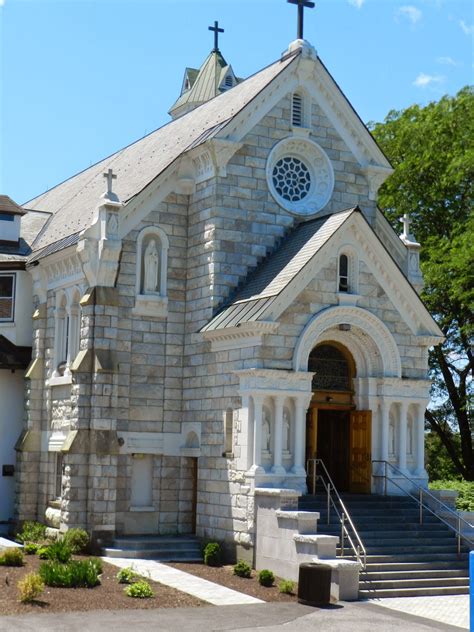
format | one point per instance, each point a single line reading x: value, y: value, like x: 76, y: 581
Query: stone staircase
x: 404, y: 558
x: 161, y: 548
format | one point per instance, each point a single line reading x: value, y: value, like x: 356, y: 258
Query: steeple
x: 200, y: 85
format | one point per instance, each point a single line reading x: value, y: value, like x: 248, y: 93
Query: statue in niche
x: 286, y: 431
x: 151, y: 264
x: 266, y: 431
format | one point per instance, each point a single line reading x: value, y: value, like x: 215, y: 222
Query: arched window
x: 343, y: 273
x: 152, y: 262
x: 297, y: 110
x: 331, y: 368
x: 61, y: 337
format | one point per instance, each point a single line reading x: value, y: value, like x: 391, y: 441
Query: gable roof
x: 73, y: 202
x: 275, y: 273
x: 31, y: 224
x: 7, y: 205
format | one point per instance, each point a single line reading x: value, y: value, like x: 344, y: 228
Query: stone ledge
x: 311, y: 538
x: 308, y: 516
x: 274, y: 491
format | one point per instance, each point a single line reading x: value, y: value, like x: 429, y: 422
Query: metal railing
x: 420, y: 497
x: 335, y: 501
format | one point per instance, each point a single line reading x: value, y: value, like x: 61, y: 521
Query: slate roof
x: 274, y: 274
x: 31, y: 224
x: 13, y: 357
x: 72, y: 203
x: 9, y: 206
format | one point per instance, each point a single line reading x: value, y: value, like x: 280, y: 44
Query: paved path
x: 263, y: 617
x: 453, y: 609
x: 201, y: 588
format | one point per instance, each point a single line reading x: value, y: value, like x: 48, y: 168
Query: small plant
x: 127, y: 575
x: 77, y: 540
x: 266, y: 578
x: 59, y: 551
x: 30, y: 548
x: 287, y: 587
x: 139, y: 590
x: 30, y: 587
x: 32, y: 532
x: 212, y: 554
x: 74, y: 574
x: 12, y: 557
x: 242, y: 569
x: 43, y: 552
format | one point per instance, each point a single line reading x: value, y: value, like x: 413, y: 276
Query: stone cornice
x: 246, y: 335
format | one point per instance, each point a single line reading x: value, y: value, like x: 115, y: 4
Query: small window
x: 58, y: 475
x: 343, y: 273
x: 297, y: 110
x: 228, y: 430
x: 7, y: 296
x: 6, y: 217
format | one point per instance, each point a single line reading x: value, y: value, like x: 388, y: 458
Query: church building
x: 217, y: 305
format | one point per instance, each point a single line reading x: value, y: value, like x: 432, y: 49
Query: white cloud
x: 468, y: 29
x: 423, y: 80
x: 356, y: 3
x: 2, y: 2
x: 411, y: 13
x: 447, y: 61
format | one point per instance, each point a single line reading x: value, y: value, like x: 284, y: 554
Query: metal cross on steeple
x: 301, y: 4
x: 216, y: 30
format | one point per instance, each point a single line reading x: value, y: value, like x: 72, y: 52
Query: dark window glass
x: 6, y: 297
x: 343, y: 274
x: 332, y: 372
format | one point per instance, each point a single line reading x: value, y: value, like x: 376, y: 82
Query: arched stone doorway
x: 335, y: 432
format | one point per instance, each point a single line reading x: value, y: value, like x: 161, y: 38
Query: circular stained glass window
x: 291, y: 179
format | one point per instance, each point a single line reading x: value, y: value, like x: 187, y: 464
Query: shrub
x: 127, y: 575
x: 74, y: 574
x: 286, y: 586
x: 30, y: 587
x: 31, y: 548
x: 266, y: 578
x: 32, y: 532
x: 212, y: 554
x: 242, y: 569
x: 43, y: 552
x: 59, y: 551
x: 12, y: 557
x: 77, y: 540
x: 465, y: 500
x: 139, y: 590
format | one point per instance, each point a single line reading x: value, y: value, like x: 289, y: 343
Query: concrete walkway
x: 452, y: 609
x: 190, y: 584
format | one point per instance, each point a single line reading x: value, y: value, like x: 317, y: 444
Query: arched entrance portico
x: 336, y: 433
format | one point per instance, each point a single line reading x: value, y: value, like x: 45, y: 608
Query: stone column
x: 385, y: 420
x: 278, y: 438
x: 420, y: 439
x: 301, y: 406
x: 402, y: 436
x: 257, y: 433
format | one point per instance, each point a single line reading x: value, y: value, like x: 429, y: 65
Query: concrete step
x: 163, y: 548
x: 412, y: 574
x: 154, y: 554
x: 413, y: 557
x: 451, y: 565
x: 413, y: 592
x: 432, y: 582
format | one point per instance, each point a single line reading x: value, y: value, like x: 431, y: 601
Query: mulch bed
x: 109, y: 595
x: 224, y: 576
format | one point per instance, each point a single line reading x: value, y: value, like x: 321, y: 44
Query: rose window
x: 291, y: 179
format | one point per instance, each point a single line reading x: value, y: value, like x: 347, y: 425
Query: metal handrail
x: 419, y: 499
x: 359, y: 549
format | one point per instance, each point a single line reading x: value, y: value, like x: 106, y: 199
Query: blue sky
x: 81, y: 79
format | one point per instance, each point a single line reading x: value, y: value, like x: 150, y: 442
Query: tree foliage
x: 432, y: 151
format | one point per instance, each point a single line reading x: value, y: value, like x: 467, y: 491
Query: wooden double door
x: 342, y: 439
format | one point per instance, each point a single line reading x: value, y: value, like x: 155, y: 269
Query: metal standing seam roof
x: 73, y: 202
x: 274, y: 274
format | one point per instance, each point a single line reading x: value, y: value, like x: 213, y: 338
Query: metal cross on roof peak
x: 216, y: 30
x: 301, y: 4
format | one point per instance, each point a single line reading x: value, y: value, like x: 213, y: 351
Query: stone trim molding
x: 274, y: 381
x: 331, y: 317
x: 246, y: 335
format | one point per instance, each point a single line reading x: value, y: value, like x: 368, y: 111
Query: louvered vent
x: 297, y: 110
x: 228, y: 81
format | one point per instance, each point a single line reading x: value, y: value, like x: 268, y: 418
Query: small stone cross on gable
x: 406, y: 221
x: 302, y: 5
x: 111, y: 176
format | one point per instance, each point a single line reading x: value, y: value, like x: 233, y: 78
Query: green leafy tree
x: 432, y: 151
